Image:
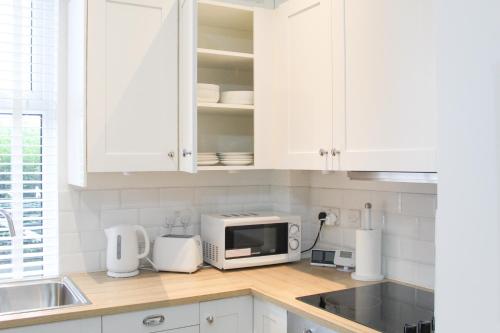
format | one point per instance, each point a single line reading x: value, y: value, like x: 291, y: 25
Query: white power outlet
x: 332, y: 217
x: 351, y: 218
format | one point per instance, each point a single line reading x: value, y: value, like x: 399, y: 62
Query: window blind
x: 28, y: 145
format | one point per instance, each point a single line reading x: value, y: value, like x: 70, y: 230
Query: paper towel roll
x: 368, y: 255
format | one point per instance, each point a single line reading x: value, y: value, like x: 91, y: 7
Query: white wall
x: 467, y: 229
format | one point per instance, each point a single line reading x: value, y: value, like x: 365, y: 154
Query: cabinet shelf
x: 226, y: 167
x: 224, y: 59
x: 225, y: 109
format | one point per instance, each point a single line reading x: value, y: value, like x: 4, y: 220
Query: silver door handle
x: 323, y: 152
x: 154, y: 320
x: 185, y: 153
x: 210, y: 319
x: 171, y: 154
x: 335, y: 152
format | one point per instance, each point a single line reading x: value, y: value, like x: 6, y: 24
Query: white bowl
x: 208, y: 93
x: 237, y: 97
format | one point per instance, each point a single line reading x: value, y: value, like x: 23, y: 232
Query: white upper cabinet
x: 303, y: 84
x: 187, y: 85
x: 132, y: 85
x: 385, y: 100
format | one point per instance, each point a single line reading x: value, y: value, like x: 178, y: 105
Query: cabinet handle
x: 171, y: 154
x: 308, y: 330
x: 185, y: 153
x: 210, y: 319
x: 335, y: 152
x: 323, y: 152
x: 154, y: 320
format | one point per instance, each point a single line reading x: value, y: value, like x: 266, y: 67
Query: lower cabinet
x: 230, y: 315
x: 297, y: 324
x: 268, y: 318
x: 156, y: 320
x: 89, y: 325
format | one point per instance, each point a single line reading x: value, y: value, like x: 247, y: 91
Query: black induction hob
x: 387, y: 307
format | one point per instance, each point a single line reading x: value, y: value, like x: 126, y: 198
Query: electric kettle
x: 122, y: 255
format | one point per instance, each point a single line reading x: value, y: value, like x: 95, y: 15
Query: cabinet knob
x: 308, y: 330
x: 323, y: 152
x: 154, y: 320
x: 335, y: 152
x: 185, y: 153
x: 171, y: 154
x: 210, y: 319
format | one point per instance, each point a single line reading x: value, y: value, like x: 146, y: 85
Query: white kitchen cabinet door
x: 132, y: 80
x: 303, y: 88
x: 387, y: 120
x: 268, y: 318
x: 155, y: 320
x: 188, y: 69
x: 297, y: 324
x: 191, y: 329
x: 264, y: 116
x: 90, y: 325
x: 230, y: 315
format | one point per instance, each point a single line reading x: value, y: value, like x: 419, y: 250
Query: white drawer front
x: 152, y: 320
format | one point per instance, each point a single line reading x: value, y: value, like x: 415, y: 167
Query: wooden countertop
x: 279, y: 284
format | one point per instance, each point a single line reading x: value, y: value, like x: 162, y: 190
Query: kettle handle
x: 146, y: 241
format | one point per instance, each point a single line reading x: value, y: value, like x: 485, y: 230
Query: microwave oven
x: 237, y: 240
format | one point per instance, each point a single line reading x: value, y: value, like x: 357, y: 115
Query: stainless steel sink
x: 42, y: 294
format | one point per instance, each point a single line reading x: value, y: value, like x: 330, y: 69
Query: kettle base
x: 123, y: 275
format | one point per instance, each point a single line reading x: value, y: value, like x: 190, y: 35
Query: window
x: 28, y: 165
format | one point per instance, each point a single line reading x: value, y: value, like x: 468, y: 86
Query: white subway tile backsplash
x: 70, y: 243
x: 77, y: 221
x: 69, y: 200
x: 407, y: 219
x: 92, y: 241
x: 389, y: 202
x: 80, y: 262
x: 211, y: 196
x: 92, y: 200
x: 425, y: 276
x: 399, y: 225
x: 423, y: 205
x: 154, y: 216
x: 391, y: 246
x: 177, y: 197
x: 418, y: 251
x: 111, y: 218
x: 326, y: 197
x: 426, y: 227
x: 354, y: 199
x: 407, y: 222
x: 401, y: 270
x: 348, y: 238
x: 140, y: 198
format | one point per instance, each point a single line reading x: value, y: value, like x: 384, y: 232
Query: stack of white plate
x: 237, y: 97
x: 207, y: 159
x: 208, y: 93
x: 235, y: 158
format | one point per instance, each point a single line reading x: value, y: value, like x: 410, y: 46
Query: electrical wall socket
x: 333, y: 217
x: 351, y: 218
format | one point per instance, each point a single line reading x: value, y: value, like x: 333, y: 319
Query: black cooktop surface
x: 386, y: 306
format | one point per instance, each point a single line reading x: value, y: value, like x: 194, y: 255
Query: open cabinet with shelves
x: 225, y: 58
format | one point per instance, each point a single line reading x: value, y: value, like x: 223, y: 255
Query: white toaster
x: 177, y: 253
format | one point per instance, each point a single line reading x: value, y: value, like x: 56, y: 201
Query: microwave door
x: 256, y: 240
